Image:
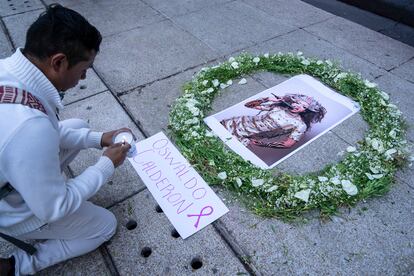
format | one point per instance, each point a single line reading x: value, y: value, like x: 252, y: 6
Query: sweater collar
x: 34, y: 79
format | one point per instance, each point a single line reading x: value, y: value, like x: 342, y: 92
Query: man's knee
x: 110, y: 225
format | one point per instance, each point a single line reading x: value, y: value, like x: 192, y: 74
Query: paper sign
x: 189, y: 203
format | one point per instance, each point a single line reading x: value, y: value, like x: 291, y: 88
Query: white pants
x: 72, y: 236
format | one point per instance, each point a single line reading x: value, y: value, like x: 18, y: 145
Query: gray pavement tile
x: 174, y: 8
x: 401, y: 94
x: 104, y: 114
x: 169, y: 255
x: 111, y: 17
x: 232, y: 26
x: 405, y: 71
x: 19, y: 24
x: 352, y: 129
x: 90, y: 86
x: 272, y: 246
x: 373, y: 238
x: 269, y: 79
x: 18, y: 6
x: 5, y: 47
x: 367, y: 44
x: 300, y: 14
x: 151, y: 105
x: 236, y: 93
x: 315, y: 156
x: 313, y: 46
x: 140, y: 56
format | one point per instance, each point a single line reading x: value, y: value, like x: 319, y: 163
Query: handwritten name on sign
x: 186, y: 199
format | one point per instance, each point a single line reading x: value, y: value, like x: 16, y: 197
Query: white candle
x: 124, y: 137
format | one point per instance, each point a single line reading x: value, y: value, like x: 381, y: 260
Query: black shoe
x: 7, y: 266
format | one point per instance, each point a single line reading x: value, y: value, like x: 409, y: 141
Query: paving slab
x: 5, y: 47
x: 168, y: 255
x: 111, y: 17
x: 174, y: 8
x: 18, y: 25
x: 151, y: 104
x: 92, y: 85
x: 360, y: 41
x: 232, y: 26
x: 312, y: 46
x: 18, y: 6
x: 300, y: 14
x: 153, y: 52
x: 104, y: 113
x: 405, y: 71
x: 401, y: 94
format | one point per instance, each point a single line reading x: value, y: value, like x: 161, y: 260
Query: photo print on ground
x: 272, y: 125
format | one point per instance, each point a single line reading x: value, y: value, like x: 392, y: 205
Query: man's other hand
x: 117, y: 153
x: 106, y: 139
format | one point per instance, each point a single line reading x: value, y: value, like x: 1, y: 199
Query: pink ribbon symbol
x: 202, y: 214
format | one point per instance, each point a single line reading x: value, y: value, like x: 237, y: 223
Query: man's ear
x: 58, y: 62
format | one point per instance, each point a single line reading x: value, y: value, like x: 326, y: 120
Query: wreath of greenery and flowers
x: 366, y: 170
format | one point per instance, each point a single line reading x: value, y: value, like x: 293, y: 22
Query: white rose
x: 222, y: 175
x: 235, y: 65
x: 257, y: 182
x: 303, y: 195
x: 256, y: 60
x: 215, y: 82
x: 349, y: 188
x: 243, y: 81
x: 350, y: 149
x: 205, y: 82
x: 305, y: 62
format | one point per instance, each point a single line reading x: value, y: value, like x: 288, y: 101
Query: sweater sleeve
x: 79, y: 138
x: 31, y: 164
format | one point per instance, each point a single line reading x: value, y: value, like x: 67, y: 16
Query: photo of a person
x: 280, y: 123
x: 271, y: 125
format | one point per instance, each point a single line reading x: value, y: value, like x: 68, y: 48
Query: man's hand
x: 106, y: 139
x: 117, y: 153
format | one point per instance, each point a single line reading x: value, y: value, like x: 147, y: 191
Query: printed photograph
x: 275, y: 123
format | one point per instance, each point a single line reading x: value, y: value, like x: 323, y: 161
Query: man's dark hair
x: 62, y: 30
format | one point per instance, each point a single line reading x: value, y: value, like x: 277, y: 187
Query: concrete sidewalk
x: 150, y: 49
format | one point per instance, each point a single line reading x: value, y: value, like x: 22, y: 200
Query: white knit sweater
x: 29, y: 154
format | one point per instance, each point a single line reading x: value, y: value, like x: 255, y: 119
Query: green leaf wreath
x: 366, y: 170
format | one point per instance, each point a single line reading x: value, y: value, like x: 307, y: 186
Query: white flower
x: 271, y: 189
x: 340, y: 76
x: 378, y: 176
x: 322, y: 178
x: 349, y: 188
x: 215, y: 82
x: 232, y: 59
x: 393, y: 134
x: 319, y: 62
x: 239, y: 181
x: 303, y: 195
x: 256, y: 60
x: 374, y: 169
x: 205, y: 82
x: 350, y: 149
x: 229, y: 82
x: 194, y: 134
x: 370, y: 177
x: 211, y: 163
x: 222, y: 175
x: 243, y: 81
x: 335, y: 180
x: 223, y: 85
x: 266, y: 55
x: 235, y: 65
x: 257, y: 182
x: 192, y: 121
x: 209, y: 133
x: 385, y: 96
x: 299, y: 53
x: 377, y: 145
x: 369, y: 84
x: 210, y: 90
x: 328, y: 62
x: 305, y: 62
x: 389, y: 153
